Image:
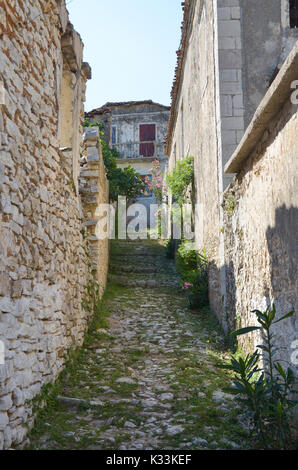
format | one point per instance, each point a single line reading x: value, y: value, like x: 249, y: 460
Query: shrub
x: 180, y: 178
x: 193, y: 268
x: 265, y: 389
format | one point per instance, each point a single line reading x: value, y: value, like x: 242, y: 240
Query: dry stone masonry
x: 43, y: 261
x: 94, y: 192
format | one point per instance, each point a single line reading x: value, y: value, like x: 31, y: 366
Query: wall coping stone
x: 279, y: 91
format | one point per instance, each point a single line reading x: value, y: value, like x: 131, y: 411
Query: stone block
x: 233, y: 123
x: 5, y: 403
x: 224, y: 13
x: 17, y: 397
x: 229, y: 137
x: 91, y: 133
x: 238, y: 101
x: 229, y: 75
x: 231, y: 88
x: 226, y: 105
x: 3, y: 420
x: 236, y: 13
x: 238, y: 112
x: 230, y: 28
x: 226, y: 43
x: 228, y: 3
x: 230, y: 59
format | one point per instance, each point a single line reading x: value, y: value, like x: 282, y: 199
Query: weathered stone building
x: 137, y: 129
x: 44, y: 267
x: 230, y: 54
x: 261, y: 225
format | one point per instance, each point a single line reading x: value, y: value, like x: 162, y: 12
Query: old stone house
x: 232, y: 54
x: 137, y: 129
x: 44, y: 267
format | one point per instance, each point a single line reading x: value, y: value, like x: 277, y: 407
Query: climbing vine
x: 180, y: 178
x: 229, y: 203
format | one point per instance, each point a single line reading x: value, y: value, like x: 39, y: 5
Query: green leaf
x: 228, y: 367
x: 231, y: 390
x: 279, y: 369
x: 244, y: 331
x: 288, y: 315
x: 264, y: 348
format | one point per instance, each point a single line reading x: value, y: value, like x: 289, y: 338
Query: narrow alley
x: 147, y: 375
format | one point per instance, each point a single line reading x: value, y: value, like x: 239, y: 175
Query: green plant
x: 156, y: 184
x: 229, y: 203
x: 71, y: 183
x: 193, y: 268
x: 91, y: 301
x: 265, y: 389
x: 122, y: 181
x: 180, y: 178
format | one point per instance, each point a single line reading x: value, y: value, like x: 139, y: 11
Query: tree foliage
x: 180, y: 178
x: 122, y: 181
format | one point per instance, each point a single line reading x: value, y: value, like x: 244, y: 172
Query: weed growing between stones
x: 146, y: 376
x: 46, y: 405
x: 193, y: 268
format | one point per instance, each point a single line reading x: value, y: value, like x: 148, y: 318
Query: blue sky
x: 131, y: 46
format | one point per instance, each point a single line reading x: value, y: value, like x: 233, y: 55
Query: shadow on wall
x: 282, y: 241
x: 230, y: 313
x: 226, y: 315
x: 281, y: 287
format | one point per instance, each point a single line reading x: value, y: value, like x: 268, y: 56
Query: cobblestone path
x: 147, y: 376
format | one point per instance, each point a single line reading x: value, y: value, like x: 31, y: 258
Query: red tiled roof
x: 107, y: 107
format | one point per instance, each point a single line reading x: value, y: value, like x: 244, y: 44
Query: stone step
x: 134, y: 253
x: 133, y: 269
x: 145, y: 283
x: 75, y: 403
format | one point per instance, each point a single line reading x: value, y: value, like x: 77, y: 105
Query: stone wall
x: 43, y: 261
x: 229, y: 53
x: 260, y: 226
x: 94, y: 190
x: 254, y: 39
x: 194, y: 130
x: 230, y: 65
